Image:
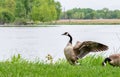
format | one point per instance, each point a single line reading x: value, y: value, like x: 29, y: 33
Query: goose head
x: 66, y: 33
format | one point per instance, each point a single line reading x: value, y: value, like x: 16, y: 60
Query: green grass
x: 89, y: 67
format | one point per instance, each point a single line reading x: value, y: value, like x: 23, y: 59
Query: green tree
x: 44, y: 10
x: 117, y: 13
x: 69, y: 14
x: 23, y: 8
x: 87, y: 13
x: 93, y: 14
x: 58, y: 9
x: 2, y: 3
x: 20, y: 10
x: 76, y: 15
x: 10, y: 5
x: 6, y: 16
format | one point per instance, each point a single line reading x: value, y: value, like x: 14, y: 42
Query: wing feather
x: 92, y: 46
x: 82, y: 49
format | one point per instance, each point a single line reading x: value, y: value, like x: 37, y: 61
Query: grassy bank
x: 90, y: 67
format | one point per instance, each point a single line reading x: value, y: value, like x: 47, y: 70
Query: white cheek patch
x: 67, y: 34
x: 104, y: 64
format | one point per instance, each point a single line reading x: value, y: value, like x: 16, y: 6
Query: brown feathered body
x: 70, y: 54
x: 73, y: 53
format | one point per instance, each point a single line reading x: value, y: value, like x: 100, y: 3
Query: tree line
x: 21, y: 11
x: 87, y: 13
x: 31, y: 10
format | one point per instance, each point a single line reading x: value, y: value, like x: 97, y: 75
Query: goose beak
x: 62, y: 34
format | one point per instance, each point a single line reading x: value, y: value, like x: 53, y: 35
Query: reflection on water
x: 37, y: 42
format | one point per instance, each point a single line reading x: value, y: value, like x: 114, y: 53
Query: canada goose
x: 73, y: 53
x: 113, y: 60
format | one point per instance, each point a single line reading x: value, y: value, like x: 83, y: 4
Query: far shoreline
x: 66, y: 22
x: 89, y: 21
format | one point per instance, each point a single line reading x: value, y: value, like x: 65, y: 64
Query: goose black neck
x: 70, y: 41
x: 107, y: 60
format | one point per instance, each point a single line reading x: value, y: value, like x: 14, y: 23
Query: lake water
x: 37, y: 42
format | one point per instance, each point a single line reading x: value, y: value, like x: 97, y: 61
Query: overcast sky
x: 94, y: 4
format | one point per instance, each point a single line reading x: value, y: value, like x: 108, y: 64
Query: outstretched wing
x: 88, y: 46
